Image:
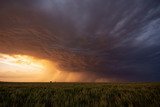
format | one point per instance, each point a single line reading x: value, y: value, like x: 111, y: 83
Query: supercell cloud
x: 117, y: 40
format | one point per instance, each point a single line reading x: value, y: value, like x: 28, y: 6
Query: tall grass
x: 79, y: 95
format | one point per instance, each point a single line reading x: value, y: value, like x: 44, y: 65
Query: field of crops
x: 79, y: 94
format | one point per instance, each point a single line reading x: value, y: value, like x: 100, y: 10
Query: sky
x: 80, y: 40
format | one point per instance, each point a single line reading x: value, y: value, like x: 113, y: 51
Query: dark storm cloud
x: 117, y: 39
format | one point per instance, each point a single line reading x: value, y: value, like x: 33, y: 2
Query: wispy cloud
x: 109, y: 39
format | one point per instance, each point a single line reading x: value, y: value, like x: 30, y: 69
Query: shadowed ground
x: 79, y: 94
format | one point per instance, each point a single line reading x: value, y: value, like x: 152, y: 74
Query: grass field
x: 79, y: 94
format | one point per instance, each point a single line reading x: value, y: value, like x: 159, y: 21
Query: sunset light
x: 18, y: 67
x: 21, y: 62
x: 79, y: 53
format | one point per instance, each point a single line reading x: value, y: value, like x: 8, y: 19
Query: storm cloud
x: 117, y: 39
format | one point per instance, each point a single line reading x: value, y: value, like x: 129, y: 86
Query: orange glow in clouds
x: 22, y: 68
x: 21, y: 62
x: 25, y: 68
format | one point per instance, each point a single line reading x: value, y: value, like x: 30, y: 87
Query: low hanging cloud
x: 114, y: 40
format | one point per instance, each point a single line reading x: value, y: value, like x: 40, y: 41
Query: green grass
x: 79, y: 94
